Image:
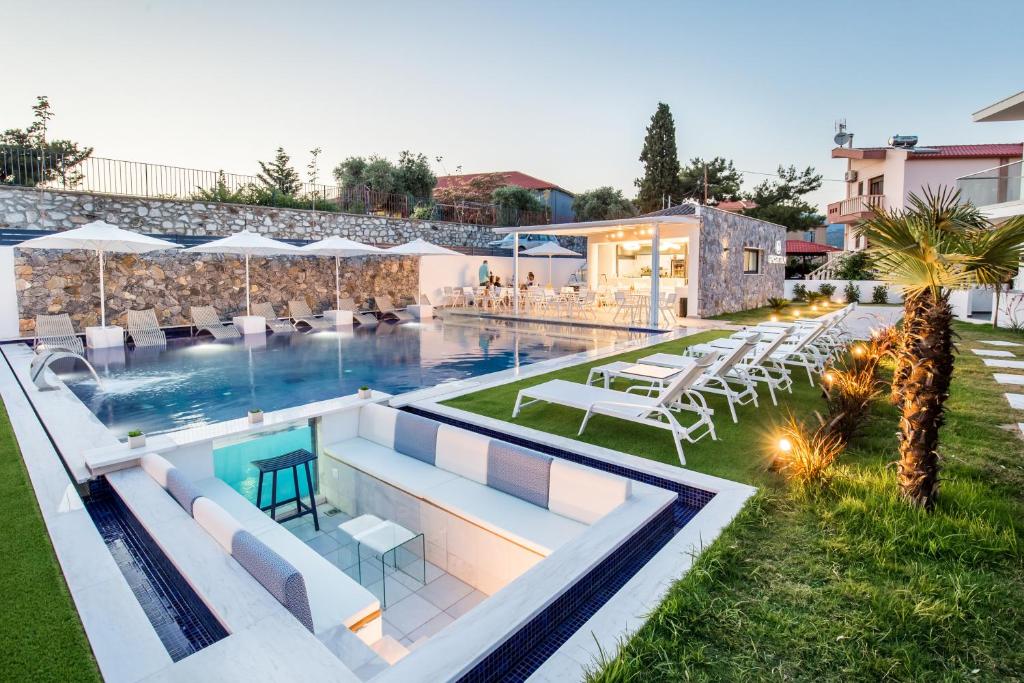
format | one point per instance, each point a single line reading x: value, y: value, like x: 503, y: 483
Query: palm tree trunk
x: 911, y: 328
x: 928, y: 367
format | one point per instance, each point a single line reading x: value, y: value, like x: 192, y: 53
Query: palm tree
x: 935, y: 245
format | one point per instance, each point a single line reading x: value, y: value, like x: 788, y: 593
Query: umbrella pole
x: 337, y: 284
x: 551, y: 277
x: 103, y: 293
x: 247, y: 285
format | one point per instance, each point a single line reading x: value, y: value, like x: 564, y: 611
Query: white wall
x: 461, y: 271
x: 866, y: 287
x: 1011, y: 309
x: 8, y: 295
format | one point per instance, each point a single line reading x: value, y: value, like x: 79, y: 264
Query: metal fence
x: 48, y: 168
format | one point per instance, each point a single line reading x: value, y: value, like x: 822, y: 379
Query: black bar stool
x: 282, y: 462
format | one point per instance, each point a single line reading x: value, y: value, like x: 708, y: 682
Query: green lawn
x: 850, y: 585
x: 41, y: 637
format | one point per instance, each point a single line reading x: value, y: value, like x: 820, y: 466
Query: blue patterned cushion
x: 182, y: 489
x: 274, y: 573
x: 416, y: 437
x: 519, y: 472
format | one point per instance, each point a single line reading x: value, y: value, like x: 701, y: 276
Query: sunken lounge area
x: 411, y: 513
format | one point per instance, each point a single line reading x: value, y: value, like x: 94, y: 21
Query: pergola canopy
x: 592, y: 228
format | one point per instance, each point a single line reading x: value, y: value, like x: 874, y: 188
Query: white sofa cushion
x: 157, y: 467
x: 247, y: 514
x: 401, y: 471
x: 462, y: 452
x: 216, y: 521
x: 377, y: 424
x: 532, y: 527
x: 334, y: 597
x: 584, y: 494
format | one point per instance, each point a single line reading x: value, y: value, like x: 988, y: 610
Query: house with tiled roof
x: 886, y: 176
x: 556, y: 198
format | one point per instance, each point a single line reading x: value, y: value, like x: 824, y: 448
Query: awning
x: 600, y: 227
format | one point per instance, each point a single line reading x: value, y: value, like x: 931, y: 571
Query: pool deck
x: 126, y: 646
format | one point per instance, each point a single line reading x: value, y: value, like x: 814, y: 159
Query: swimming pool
x: 194, y: 382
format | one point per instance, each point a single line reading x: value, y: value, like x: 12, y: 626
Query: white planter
x: 365, y: 393
x: 136, y: 441
x: 255, y: 418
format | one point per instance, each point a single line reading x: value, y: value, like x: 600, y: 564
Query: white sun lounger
x: 144, y: 330
x: 364, y: 319
x: 658, y: 410
x: 205, y: 318
x: 298, y: 309
x: 57, y: 332
x: 721, y: 376
x: 385, y: 307
x: 267, y: 312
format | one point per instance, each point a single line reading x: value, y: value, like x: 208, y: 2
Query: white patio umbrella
x: 549, y: 249
x: 420, y: 247
x: 246, y: 244
x: 100, y: 237
x: 339, y: 247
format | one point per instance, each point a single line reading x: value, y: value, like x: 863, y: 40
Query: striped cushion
x: 416, y: 437
x: 519, y: 472
x: 274, y: 573
x: 182, y: 489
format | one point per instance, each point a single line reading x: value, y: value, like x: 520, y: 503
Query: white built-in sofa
x: 485, y: 488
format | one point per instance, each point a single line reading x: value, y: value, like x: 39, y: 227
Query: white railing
x: 858, y: 204
x: 996, y: 185
x: 826, y: 271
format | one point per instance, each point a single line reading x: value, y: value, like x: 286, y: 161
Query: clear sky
x: 560, y: 90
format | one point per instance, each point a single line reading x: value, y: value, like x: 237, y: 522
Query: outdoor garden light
x: 828, y: 377
x: 814, y: 308
x: 785, y: 445
x: 774, y: 318
x: 858, y: 351
x: 796, y: 313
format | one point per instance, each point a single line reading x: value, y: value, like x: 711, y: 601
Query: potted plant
x: 255, y: 416
x: 365, y: 392
x: 136, y: 439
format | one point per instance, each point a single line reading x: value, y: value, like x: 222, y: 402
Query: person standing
x: 485, y: 273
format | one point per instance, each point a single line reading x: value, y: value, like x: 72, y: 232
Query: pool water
x: 193, y: 382
x: 233, y: 465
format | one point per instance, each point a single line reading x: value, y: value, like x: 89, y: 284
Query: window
x: 876, y: 186
x: 751, y: 261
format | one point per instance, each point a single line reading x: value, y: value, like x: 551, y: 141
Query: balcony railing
x: 993, y: 186
x: 855, y: 207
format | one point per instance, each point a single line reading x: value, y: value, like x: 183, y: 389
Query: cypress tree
x: 661, y: 163
x: 279, y: 175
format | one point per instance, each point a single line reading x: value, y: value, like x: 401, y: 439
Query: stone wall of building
x: 724, y: 288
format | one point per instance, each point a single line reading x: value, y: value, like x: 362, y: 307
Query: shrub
x: 827, y: 289
x: 814, y: 298
x: 805, y: 456
x: 880, y: 294
x: 849, y: 387
x: 852, y: 293
x: 854, y: 266
x: 423, y: 211
x: 777, y: 304
x: 800, y: 292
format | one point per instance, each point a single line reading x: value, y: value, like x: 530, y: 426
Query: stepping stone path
x: 1009, y: 379
x: 1016, y: 401
x: 1000, y: 363
x: 996, y: 342
x: 993, y: 354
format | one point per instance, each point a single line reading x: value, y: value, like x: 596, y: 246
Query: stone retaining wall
x: 56, y: 282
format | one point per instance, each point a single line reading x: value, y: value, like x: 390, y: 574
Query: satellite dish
x: 842, y: 138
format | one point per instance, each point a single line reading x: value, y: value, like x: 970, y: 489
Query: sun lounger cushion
x: 377, y: 423
x: 462, y: 452
x: 416, y: 437
x: 221, y: 493
x: 216, y: 521
x: 584, y: 494
x: 182, y: 489
x: 277, y: 575
x: 519, y: 472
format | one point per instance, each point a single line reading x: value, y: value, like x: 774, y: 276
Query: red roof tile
x: 805, y: 247
x: 1012, y: 149
x: 516, y: 178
